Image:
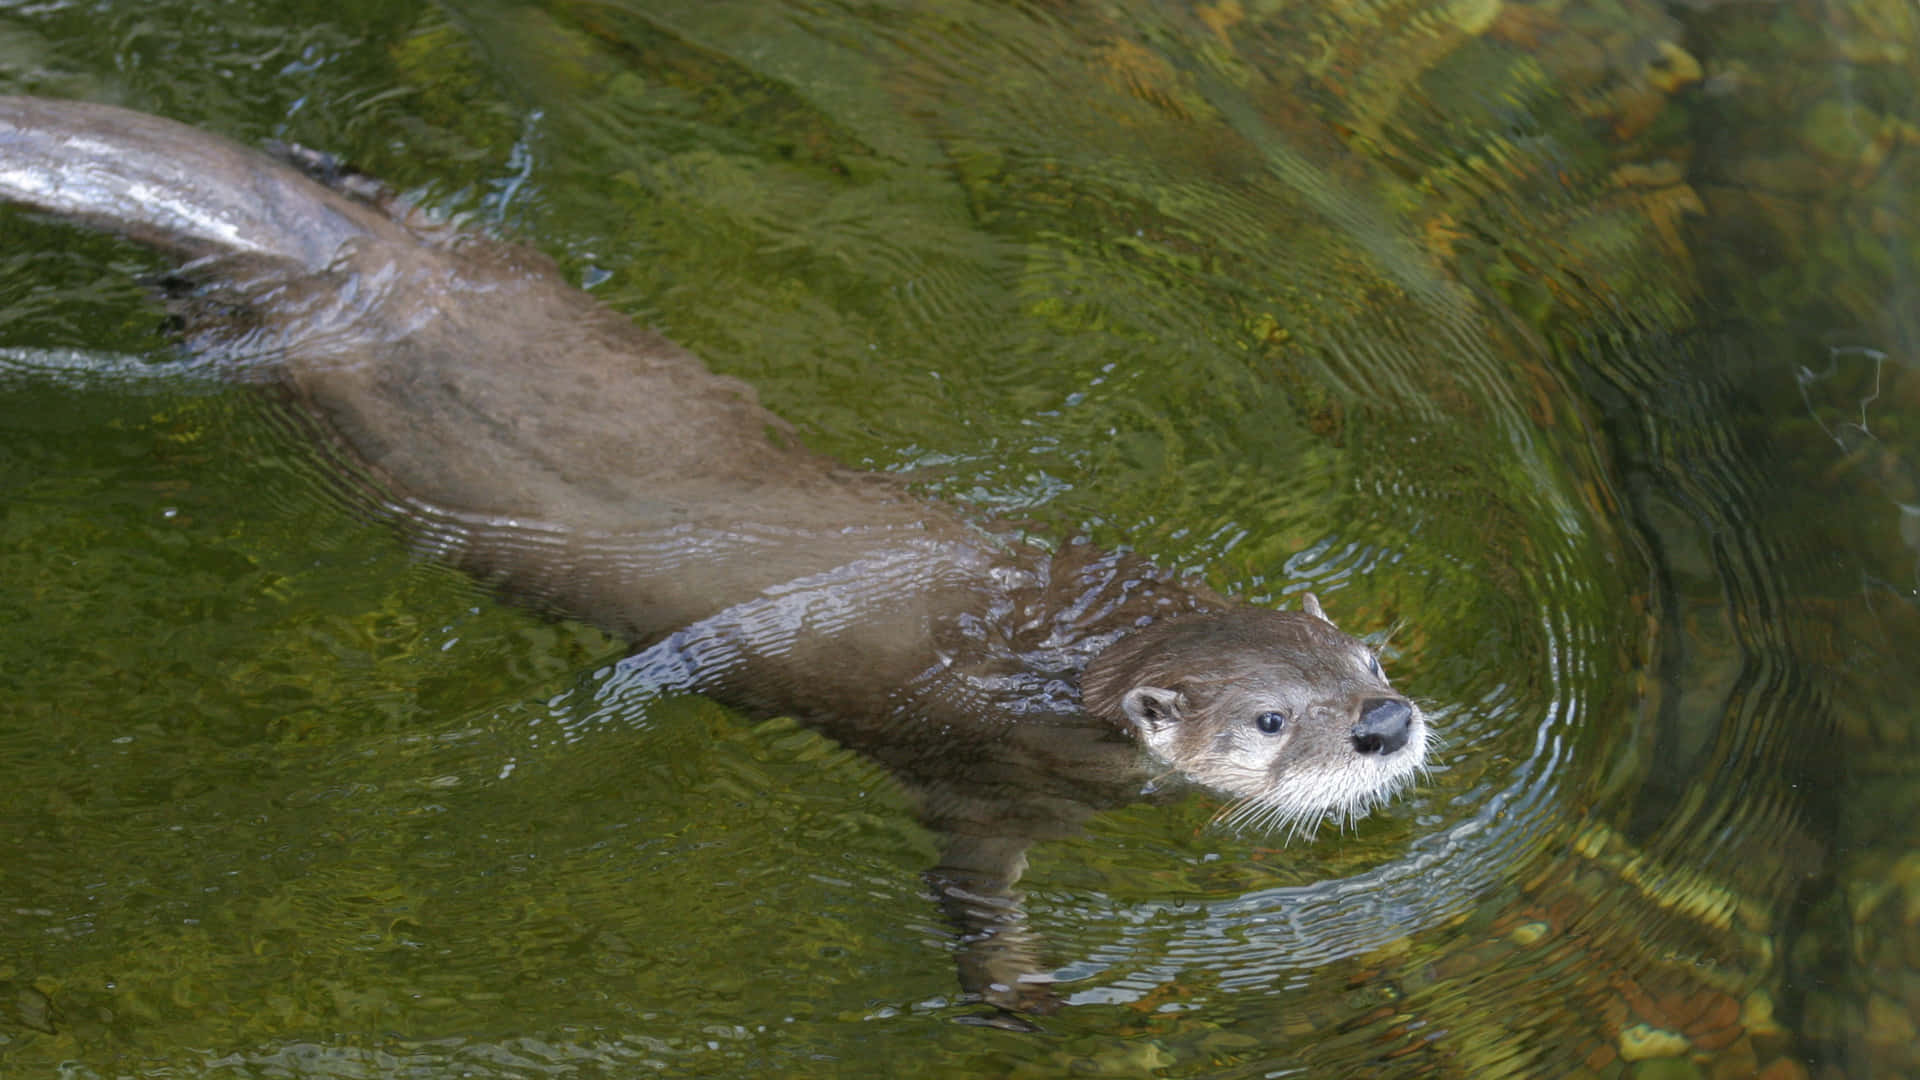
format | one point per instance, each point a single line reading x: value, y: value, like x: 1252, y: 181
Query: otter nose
x: 1383, y: 725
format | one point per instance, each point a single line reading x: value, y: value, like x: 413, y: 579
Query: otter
x: 511, y: 426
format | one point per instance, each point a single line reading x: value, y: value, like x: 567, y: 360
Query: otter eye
x: 1373, y: 665
x: 1270, y: 723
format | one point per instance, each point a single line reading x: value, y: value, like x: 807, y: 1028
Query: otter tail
x: 171, y: 186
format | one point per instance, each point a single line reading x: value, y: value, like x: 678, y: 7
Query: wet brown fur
x: 513, y: 427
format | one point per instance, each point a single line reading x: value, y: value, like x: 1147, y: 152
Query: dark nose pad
x: 1383, y: 726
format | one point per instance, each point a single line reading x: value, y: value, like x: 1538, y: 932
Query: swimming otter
x: 515, y: 428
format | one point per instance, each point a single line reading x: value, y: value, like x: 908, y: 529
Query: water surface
x: 1534, y: 341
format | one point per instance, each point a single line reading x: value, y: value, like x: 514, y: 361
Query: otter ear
x: 1310, y: 604
x: 1152, y: 709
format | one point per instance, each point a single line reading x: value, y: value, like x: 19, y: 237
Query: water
x: 1570, y: 350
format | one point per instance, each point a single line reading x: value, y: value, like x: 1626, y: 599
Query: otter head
x: 1278, y: 710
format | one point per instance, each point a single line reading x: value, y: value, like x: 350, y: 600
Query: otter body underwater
x: 518, y: 430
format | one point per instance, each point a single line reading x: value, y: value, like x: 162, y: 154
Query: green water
x: 1407, y: 307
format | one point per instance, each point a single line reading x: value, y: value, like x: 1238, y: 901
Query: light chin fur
x: 1296, y: 809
